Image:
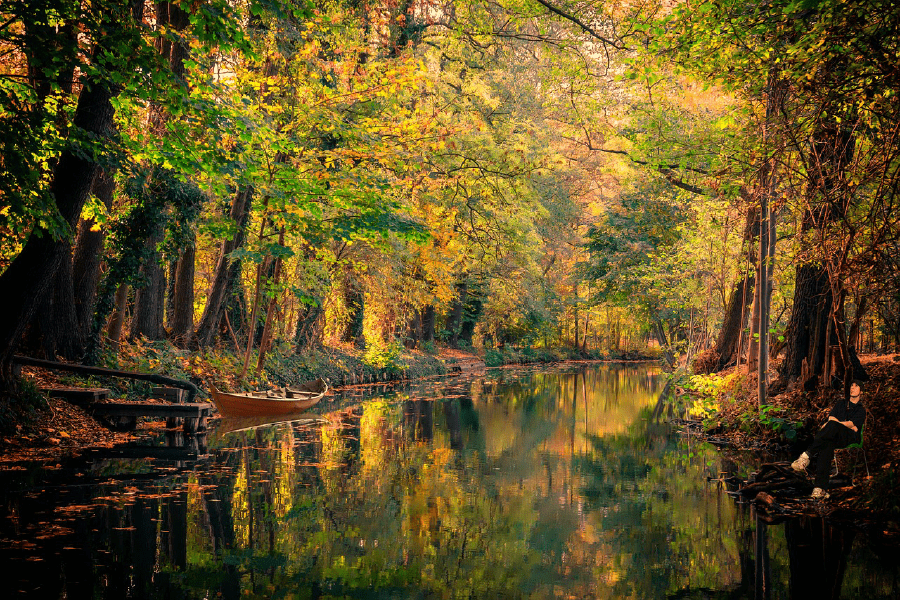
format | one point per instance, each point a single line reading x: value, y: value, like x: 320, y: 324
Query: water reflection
x: 521, y: 484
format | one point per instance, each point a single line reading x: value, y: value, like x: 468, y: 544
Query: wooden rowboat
x: 292, y: 399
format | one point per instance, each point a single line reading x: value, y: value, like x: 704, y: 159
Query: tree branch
x: 670, y: 176
x: 584, y: 26
x: 667, y: 171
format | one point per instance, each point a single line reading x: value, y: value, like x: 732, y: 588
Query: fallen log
x: 765, y: 501
x: 751, y: 490
x: 769, y: 471
x: 192, y: 389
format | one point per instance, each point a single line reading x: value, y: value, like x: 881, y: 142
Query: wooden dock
x: 192, y: 416
x: 125, y: 414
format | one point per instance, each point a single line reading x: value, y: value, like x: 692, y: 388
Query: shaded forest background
x: 269, y: 177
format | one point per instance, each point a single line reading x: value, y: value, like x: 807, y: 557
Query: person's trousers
x: 830, y: 438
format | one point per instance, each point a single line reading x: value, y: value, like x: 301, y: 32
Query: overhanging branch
x: 667, y: 170
x: 584, y: 26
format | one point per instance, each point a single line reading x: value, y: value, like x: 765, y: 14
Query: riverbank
x: 724, y: 410
x: 45, y: 430
x: 42, y: 429
x: 524, y: 356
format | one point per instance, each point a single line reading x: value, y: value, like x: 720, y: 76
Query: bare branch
x: 584, y: 26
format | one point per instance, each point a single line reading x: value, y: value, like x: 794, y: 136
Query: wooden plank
x: 85, y: 370
x: 77, y: 395
x: 150, y: 409
x: 174, y: 395
x: 171, y: 394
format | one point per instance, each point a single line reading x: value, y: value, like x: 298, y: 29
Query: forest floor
x: 865, y: 488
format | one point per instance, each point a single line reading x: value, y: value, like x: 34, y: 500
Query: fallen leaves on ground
x: 60, y: 430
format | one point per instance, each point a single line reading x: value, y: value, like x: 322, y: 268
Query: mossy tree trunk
x: 29, y: 275
x: 227, y: 272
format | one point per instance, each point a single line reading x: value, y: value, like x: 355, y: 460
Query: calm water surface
x: 563, y: 483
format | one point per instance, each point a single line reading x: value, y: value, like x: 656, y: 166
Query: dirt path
x: 460, y: 361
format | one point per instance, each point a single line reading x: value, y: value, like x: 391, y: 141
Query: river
x: 563, y: 482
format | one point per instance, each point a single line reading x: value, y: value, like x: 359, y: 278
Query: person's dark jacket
x: 844, y: 410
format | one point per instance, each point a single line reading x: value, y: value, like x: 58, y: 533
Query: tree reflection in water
x: 522, y: 484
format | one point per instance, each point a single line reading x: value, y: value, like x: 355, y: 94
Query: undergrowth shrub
x: 385, y: 355
x: 707, y: 392
x: 493, y: 358
x: 771, y: 417
x: 22, y: 407
x: 725, y: 400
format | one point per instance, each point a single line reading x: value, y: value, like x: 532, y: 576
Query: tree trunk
x: 855, y: 340
x: 309, y: 327
x: 663, y: 340
x: 152, y: 308
x: 765, y: 297
x: 428, y: 318
x: 617, y: 333
x: 226, y: 273
x: 831, y: 150
x: 117, y: 319
x: 753, y: 346
x: 270, y: 311
x: 62, y: 326
x: 850, y: 366
x: 235, y: 314
x: 871, y: 345
x: 577, y: 325
x: 52, y: 330
x: 351, y: 330
x: 172, y: 269
x: 253, y: 310
x: 413, y: 335
x: 471, y: 312
x: 182, y: 325
x: 172, y: 17
x: 767, y: 187
x: 88, y: 258
x: 28, y: 276
x: 587, y: 322
x: 149, y: 300
x: 455, y: 316
x: 809, y: 317
x: 271, y: 266
x: 726, y: 347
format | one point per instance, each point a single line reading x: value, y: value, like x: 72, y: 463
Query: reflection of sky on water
x: 519, y: 484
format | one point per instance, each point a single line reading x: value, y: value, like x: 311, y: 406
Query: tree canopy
x: 295, y: 174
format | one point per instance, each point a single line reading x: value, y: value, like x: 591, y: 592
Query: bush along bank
x: 510, y: 355
x: 340, y: 368
x: 725, y: 405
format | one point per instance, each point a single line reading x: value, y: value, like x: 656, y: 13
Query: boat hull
x: 244, y: 405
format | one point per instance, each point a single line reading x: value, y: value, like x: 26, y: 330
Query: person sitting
x: 840, y: 430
